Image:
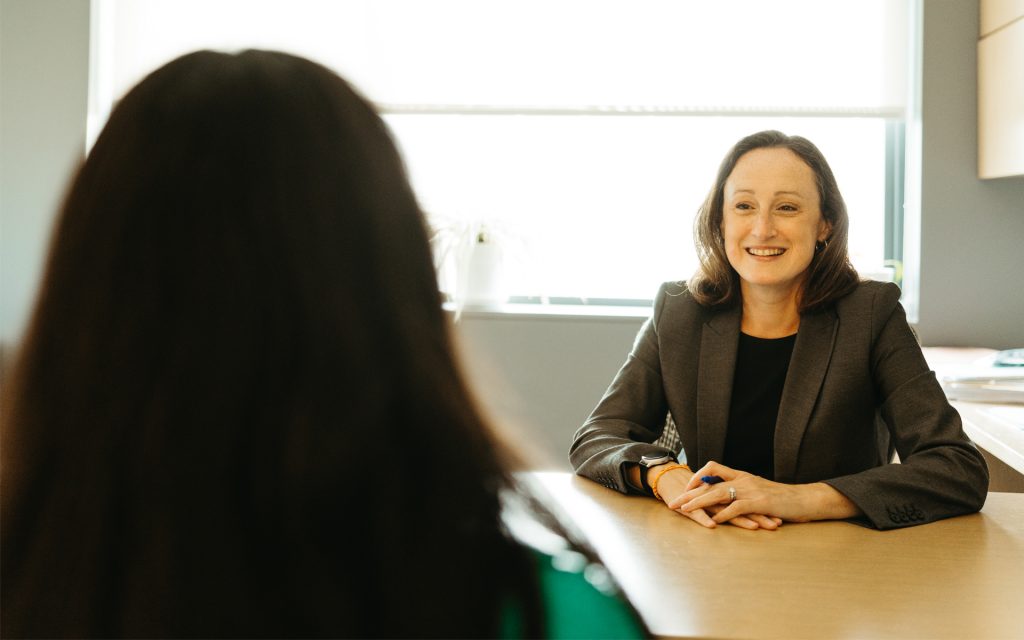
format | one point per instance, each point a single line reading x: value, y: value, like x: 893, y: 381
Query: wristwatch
x: 646, y: 462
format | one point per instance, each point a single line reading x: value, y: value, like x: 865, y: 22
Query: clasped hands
x: 758, y: 503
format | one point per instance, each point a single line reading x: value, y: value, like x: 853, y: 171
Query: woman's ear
x: 824, y: 230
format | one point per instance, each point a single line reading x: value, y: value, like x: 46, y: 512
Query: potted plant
x: 470, y: 256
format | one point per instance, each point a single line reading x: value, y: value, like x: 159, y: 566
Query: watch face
x: 650, y: 461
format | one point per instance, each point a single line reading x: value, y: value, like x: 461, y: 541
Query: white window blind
x: 587, y: 131
x: 737, y: 55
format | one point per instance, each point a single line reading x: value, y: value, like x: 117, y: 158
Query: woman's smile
x: 772, y: 220
x: 765, y: 252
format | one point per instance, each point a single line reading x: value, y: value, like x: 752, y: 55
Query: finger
x: 728, y: 513
x: 685, y: 497
x: 744, y: 522
x: 712, y: 468
x: 701, y: 517
x: 764, y: 522
x: 696, y: 481
x: 710, y: 497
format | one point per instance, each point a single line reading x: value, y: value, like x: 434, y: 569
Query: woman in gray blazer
x: 790, y: 382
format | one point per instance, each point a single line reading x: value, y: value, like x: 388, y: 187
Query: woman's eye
x: 788, y: 208
x: 743, y: 206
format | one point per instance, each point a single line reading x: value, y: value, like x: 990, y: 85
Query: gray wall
x: 543, y: 375
x: 972, y: 263
x: 44, y: 74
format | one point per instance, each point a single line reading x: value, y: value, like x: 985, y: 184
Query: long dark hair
x: 236, y: 410
x: 831, y: 275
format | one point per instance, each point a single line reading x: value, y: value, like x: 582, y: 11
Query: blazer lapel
x: 718, y: 344
x: 807, y: 367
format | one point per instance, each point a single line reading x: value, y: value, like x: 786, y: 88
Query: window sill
x: 551, y: 311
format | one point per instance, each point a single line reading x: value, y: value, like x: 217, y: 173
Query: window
x: 585, y: 133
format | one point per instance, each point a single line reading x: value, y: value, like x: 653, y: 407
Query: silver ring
x: 732, y: 494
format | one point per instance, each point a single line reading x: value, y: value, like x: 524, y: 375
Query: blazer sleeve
x: 630, y: 416
x: 941, y: 474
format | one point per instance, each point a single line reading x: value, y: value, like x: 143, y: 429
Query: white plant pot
x: 485, y: 276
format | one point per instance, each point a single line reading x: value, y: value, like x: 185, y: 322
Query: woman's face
x: 771, y: 220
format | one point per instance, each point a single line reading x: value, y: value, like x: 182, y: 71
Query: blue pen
x: 711, y: 479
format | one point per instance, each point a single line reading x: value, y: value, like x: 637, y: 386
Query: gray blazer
x: 857, y: 389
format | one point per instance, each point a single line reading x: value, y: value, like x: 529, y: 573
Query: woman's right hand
x: 672, y: 484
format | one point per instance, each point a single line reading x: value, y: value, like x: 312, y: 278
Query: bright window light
x: 603, y: 206
x: 583, y: 133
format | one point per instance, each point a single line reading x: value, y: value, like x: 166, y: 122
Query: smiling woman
x: 772, y: 226
x: 774, y: 171
x: 786, y: 376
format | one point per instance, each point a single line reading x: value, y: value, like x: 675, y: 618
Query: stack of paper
x: 996, y: 378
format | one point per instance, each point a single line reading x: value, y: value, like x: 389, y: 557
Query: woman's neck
x: 769, y: 316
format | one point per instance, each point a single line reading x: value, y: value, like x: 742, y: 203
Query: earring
x: 820, y: 245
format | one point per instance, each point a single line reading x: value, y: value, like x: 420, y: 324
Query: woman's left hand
x: 755, y: 495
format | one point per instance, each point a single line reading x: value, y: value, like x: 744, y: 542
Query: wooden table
x: 959, y: 578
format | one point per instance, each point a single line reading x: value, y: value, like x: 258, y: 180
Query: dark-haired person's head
x: 829, y: 274
x: 236, y: 410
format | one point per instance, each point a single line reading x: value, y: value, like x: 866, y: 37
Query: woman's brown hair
x: 236, y: 410
x: 830, y: 275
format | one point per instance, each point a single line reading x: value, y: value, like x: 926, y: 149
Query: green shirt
x: 580, y: 601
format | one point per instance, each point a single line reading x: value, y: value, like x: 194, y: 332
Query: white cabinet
x: 999, y: 13
x: 1001, y: 89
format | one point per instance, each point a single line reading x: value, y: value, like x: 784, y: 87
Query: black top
x: 761, y: 366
